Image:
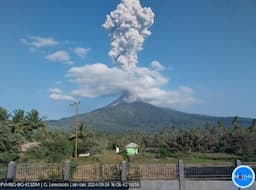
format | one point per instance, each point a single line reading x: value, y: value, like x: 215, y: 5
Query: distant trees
x: 253, y: 125
x: 213, y: 138
x: 236, y: 123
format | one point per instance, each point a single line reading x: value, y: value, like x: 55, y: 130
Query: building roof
x: 132, y: 145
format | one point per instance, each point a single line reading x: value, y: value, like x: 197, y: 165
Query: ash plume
x: 128, y: 27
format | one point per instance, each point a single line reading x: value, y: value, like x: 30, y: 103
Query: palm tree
x: 18, y: 116
x: 34, y: 120
x: 18, y: 121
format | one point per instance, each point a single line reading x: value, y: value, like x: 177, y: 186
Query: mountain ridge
x: 121, y: 116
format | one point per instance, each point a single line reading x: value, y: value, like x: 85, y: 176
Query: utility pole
x: 76, y: 105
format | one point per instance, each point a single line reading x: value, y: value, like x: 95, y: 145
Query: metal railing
x: 209, y: 172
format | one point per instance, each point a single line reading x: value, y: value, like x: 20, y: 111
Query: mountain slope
x: 140, y: 116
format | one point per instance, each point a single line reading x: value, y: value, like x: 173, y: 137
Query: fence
x: 97, y: 172
x: 212, y: 172
x: 86, y: 172
x: 3, y: 171
x: 39, y: 171
x: 209, y: 172
x: 152, y: 171
x: 108, y: 172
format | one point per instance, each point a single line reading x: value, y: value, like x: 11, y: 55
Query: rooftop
x: 132, y: 145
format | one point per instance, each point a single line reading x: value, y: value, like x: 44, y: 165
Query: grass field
x: 110, y: 157
x: 106, y: 157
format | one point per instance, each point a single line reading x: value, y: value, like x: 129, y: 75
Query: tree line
x: 211, y: 138
x: 20, y: 127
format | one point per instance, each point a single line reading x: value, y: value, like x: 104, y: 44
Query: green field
x: 110, y: 157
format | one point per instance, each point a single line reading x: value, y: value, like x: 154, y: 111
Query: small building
x: 117, y: 150
x: 132, y: 149
x: 84, y: 152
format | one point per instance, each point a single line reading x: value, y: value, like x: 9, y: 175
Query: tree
x: 82, y: 130
x: 3, y: 115
x: 253, y: 125
x: 9, y: 144
x: 18, y: 116
x: 18, y: 121
x: 34, y: 120
x: 222, y: 135
x: 221, y: 129
x: 236, y: 123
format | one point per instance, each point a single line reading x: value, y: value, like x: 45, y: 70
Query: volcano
x: 125, y: 116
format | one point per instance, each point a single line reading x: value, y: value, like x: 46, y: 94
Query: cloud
x: 55, y: 90
x: 81, y: 52
x: 39, y: 42
x: 141, y: 83
x: 128, y: 27
x: 155, y: 65
x: 60, y: 56
x: 56, y: 94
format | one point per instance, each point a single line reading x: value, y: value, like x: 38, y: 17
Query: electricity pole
x: 76, y: 105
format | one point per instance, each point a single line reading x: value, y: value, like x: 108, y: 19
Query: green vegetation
x: 54, y: 147
x: 9, y: 144
x: 211, y: 143
x: 16, y: 129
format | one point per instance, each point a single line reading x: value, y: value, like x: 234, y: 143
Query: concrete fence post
x: 238, y: 163
x: 181, y: 175
x: 11, y: 171
x: 124, y: 171
x: 67, y: 170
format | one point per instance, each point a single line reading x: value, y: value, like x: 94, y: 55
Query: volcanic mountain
x: 124, y: 116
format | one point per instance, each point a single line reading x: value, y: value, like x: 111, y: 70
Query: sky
x: 194, y: 56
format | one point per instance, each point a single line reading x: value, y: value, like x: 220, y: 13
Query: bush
x: 54, y: 148
x: 9, y: 144
x: 164, y: 152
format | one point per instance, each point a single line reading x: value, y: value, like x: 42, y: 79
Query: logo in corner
x: 243, y: 176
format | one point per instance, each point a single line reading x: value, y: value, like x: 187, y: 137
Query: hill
x: 121, y: 116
